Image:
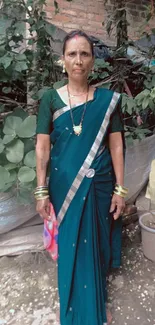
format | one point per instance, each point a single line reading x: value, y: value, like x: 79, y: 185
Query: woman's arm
x: 42, y: 160
x: 42, y: 157
x: 116, y: 150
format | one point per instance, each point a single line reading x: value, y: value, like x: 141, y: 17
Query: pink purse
x: 50, y: 234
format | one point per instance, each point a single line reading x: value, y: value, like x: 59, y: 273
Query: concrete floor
x: 28, y: 289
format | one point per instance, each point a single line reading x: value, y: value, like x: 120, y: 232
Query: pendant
x: 77, y: 129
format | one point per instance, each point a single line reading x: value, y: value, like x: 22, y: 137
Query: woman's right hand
x: 43, y: 208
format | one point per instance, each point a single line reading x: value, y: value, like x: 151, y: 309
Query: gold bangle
x: 120, y: 193
x: 42, y: 198
x: 121, y: 188
x: 40, y: 192
x: 40, y: 195
x: 41, y: 188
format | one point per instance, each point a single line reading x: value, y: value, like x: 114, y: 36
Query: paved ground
x: 28, y: 289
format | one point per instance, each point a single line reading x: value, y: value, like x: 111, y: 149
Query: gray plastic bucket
x: 148, y: 235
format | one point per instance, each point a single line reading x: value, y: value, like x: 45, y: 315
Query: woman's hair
x: 77, y: 33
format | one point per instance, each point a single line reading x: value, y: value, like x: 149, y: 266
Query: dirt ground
x: 28, y: 289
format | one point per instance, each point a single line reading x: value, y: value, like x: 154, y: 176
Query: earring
x: 92, y: 71
x: 64, y: 68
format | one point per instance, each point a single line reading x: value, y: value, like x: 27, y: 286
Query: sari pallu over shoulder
x: 72, y: 156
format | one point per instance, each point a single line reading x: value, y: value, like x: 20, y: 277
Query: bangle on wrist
x: 42, y: 198
x: 41, y: 192
x: 121, y: 190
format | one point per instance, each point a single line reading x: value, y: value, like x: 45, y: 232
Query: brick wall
x: 89, y: 15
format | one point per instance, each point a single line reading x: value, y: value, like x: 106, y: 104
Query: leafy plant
x: 27, y: 60
x: 17, y: 153
x: 27, y: 69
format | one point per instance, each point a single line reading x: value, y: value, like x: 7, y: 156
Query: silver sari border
x: 89, y: 159
x: 60, y: 112
x: 63, y: 110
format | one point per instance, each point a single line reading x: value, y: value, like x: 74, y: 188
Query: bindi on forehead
x: 76, y: 37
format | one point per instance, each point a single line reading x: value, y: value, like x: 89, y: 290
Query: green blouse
x: 51, y: 101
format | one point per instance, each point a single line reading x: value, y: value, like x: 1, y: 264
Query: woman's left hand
x: 117, y: 205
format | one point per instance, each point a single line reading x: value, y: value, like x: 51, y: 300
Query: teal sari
x: 81, y: 184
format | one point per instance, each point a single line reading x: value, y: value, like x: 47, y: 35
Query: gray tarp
x: 21, y: 227
x: 137, y: 166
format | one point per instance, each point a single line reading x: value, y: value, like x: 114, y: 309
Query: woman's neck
x: 78, y: 87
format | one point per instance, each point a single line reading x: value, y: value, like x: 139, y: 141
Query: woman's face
x: 78, y: 58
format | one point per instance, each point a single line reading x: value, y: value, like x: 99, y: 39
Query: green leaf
x: 27, y: 128
x: 152, y: 104
x: 20, y: 27
x: 21, y: 57
x: 29, y: 185
x: 104, y: 75
x: 130, y: 106
x: 50, y: 29
x: 41, y: 92
x: 146, y: 92
x: 124, y: 100
x: 3, y: 159
x: 8, y: 138
x: 100, y: 63
x: 19, y: 112
x: 1, y: 146
x: 11, y: 125
x: 5, y: 61
x: 153, y: 93
x: 13, y: 176
x: 106, y: 85
x: 59, y: 84
x: 127, y: 134
x: 29, y: 145
x: 26, y: 174
x: 7, y: 187
x: 29, y: 3
x: 31, y: 41
x: 145, y: 102
x: 30, y: 159
x: 6, y: 90
x: 4, y: 177
x: 15, y: 151
x: 10, y: 166
x: 139, y: 98
x: 141, y: 136
x: 21, y: 66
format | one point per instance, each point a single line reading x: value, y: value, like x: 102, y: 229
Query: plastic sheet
x: 12, y: 214
x: 137, y: 166
x: 28, y: 232
x: 22, y: 240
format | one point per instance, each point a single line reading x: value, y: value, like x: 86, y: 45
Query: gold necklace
x: 81, y: 94
x: 77, y: 128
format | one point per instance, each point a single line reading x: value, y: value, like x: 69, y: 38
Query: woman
x: 85, y: 128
